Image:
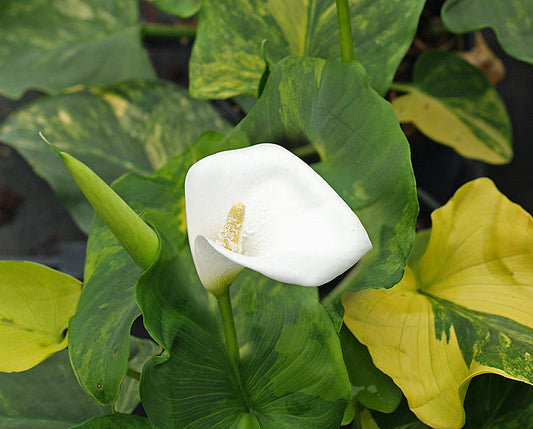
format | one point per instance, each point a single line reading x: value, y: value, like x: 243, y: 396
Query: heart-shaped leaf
x: 51, y: 45
x: 47, y: 396
x: 331, y: 107
x: 36, y: 304
x: 128, y: 127
x: 463, y: 310
x: 509, y: 19
x: 291, y: 363
x: 453, y: 103
x: 227, y: 58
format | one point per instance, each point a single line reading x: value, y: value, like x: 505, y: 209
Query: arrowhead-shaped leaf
x: 453, y: 103
x: 330, y: 106
x: 36, y: 304
x: 227, y: 58
x: 463, y: 309
x: 509, y: 19
x: 55, y: 44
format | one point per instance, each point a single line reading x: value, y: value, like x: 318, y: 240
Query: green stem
x: 345, y: 30
x: 232, y: 344
x: 133, y: 374
x: 404, y: 87
x: 162, y: 31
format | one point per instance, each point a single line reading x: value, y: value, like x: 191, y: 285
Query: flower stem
x: 133, y: 374
x: 345, y: 30
x: 232, y: 344
x: 162, y: 31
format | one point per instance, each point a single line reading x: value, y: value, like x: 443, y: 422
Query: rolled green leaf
x: 139, y: 240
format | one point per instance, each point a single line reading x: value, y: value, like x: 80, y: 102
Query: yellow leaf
x: 35, y: 306
x: 463, y: 310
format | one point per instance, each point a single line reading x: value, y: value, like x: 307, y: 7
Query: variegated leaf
x: 461, y: 310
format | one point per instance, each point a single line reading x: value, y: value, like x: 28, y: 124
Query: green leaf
x: 116, y: 421
x: 227, y: 58
x: 45, y: 397
x: 511, y: 21
x: 494, y: 402
x: 453, y: 103
x: 99, y: 332
x: 36, y: 304
x: 51, y: 45
x: 370, y: 386
x: 182, y: 8
x: 128, y: 127
x: 331, y: 106
x: 291, y: 362
x: 465, y: 311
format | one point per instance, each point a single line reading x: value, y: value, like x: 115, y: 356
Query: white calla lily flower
x: 263, y: 208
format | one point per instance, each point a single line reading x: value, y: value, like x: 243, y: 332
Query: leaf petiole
x: 345, y: 30
x: 136, y: 375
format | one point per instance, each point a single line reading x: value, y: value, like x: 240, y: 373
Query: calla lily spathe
x: 283, y: 219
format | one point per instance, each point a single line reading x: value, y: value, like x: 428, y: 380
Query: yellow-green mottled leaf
x: 512, y: 21
x: 227, y: 58
x: 467, y: 311
x: 128, y: 127
x: 453, y: 103
x: 51, y: 45
x: 35, y: 307
x: 330, y: 106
